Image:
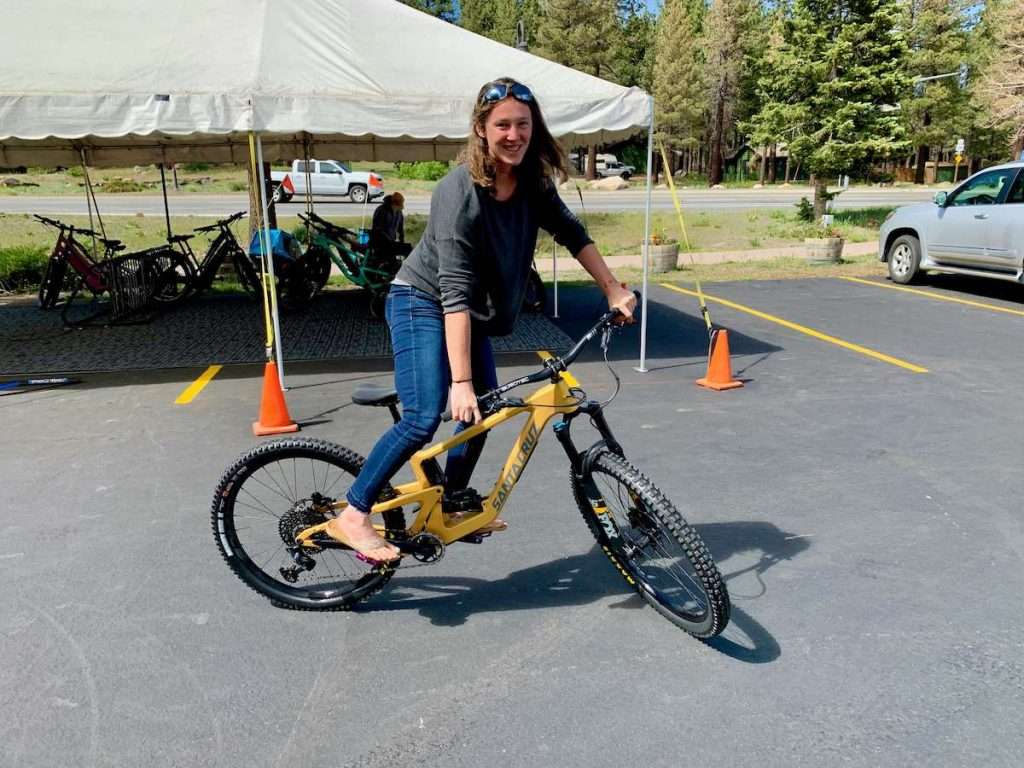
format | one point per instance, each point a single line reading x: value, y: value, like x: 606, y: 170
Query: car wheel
x: 357, y: 194
x: 625, y: 175
x: 904, y: 259
x: 280, y: 195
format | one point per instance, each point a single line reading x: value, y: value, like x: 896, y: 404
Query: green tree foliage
x: 937, y: 110
x: 581, y: 34
x: 768, y: 102
x: 678, y: 75
x: 497, y: 19
x: 1002, y: 84
x: 728, y: 45
x: 841, y: 62
x: 442, y: 9
x: 633, y: 57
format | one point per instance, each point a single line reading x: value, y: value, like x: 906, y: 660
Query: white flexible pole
x: 554, y: 267
x: 642, y: 368
x: 275, y: 315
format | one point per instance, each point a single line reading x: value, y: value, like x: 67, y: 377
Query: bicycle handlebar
x: 108, y: 242
x: 319, y: 221
x: 220, y: 224
x: 552, y: 369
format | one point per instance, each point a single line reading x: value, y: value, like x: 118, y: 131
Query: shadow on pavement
x: 584, y: 578
x: 671, y: 334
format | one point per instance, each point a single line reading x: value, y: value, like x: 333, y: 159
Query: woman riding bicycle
x: 462, y: 284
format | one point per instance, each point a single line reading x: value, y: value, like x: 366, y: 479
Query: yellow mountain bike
x: 272, y: 505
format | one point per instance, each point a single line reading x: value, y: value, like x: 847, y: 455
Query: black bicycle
x: 223, y: 246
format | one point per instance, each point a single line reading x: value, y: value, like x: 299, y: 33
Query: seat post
x: 394, y: 413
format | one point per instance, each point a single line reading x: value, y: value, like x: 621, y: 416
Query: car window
x: 300, y: 167
x: 1017, y: 190
x: 983, y: 189
x: 329, y: 168
x: 345, y: 167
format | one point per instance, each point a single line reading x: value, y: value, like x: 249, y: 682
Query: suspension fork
x: 581, y: 460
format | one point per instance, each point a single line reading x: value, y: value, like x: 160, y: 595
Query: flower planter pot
x: 663, y: 257
x: 824, y: 250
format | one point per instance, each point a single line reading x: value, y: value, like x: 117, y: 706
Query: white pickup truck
x: 327, y: 177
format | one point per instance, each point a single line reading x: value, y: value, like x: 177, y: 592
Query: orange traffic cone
x: 719, y: 367
x: 274, y: 418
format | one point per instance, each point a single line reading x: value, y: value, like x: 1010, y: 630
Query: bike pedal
x: 475, y: 538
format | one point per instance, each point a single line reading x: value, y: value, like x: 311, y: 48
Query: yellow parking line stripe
x: 803, y: 329
x: 543, y: 354
x: 192, y: 390
x: 930, y: 295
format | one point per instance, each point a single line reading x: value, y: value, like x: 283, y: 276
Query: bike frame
x: 427, y: 489
x: 352, y: 264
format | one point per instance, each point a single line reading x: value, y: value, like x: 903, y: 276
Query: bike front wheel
x: 270, y: 495
x: 657, y: 552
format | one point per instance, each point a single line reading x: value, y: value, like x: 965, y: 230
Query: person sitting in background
x: 387, y: 235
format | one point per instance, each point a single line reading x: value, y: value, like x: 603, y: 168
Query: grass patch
x: 21, y: 267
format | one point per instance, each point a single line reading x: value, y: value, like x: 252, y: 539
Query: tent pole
x: 642, y: 368
x: 167, y: 210
x: 270, y: 261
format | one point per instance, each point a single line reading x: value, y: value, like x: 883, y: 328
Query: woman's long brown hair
x: 544, y: 157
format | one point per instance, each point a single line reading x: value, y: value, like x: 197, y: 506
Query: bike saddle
x: 113, y: 245
x: 179, y: 238
x: 373, y: 394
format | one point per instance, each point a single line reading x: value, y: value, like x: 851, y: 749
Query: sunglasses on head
x: 497, y: 91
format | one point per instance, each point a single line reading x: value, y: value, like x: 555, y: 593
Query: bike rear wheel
x: 174, y: 277
x: 248, y: 276
x: 272, y: 493
x: 652, y: 546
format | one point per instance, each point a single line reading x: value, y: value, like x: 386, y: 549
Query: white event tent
x: 116, y: 82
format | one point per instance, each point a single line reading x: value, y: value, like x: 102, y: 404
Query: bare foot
x: 354, y: 529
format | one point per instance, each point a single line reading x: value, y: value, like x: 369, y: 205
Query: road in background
x: 630, y: 200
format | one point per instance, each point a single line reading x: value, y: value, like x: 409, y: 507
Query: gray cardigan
x: 476, y: 252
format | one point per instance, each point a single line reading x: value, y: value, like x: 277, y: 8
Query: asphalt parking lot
x: 859, y: 495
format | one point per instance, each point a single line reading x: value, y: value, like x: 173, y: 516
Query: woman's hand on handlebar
x: 463, y: 403
x: 623, y: 300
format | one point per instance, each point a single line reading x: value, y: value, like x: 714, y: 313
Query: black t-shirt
x: 476, y: 251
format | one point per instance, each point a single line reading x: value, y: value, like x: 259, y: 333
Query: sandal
x: 363, y: 547
x: 495, y: 526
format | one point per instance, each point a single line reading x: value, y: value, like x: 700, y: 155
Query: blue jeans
x: 422, y: 378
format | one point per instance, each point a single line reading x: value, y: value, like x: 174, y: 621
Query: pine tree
x: 678, y: 76
x: 842, y: 62
x: 1002, y: 84
x: 497, y: 19
x: 935, y: 111
x: 769, y: 129
x: 581, y: 34
x: 727, y: 43
x: 633, y: 58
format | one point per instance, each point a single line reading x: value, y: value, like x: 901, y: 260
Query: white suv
x: 977, y: 229
x: 615, y: 168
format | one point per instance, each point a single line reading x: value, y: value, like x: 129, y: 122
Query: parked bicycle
x: 134, y: 281
x: 292, y: 283
x: 272, y: 506
x: 331, y: 243
x: 223, y: 246
x: 355, y: 258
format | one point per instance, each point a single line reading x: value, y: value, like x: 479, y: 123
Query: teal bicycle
x: 353, y: 255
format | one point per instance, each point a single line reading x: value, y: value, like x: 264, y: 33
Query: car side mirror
x: 940, y: 198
